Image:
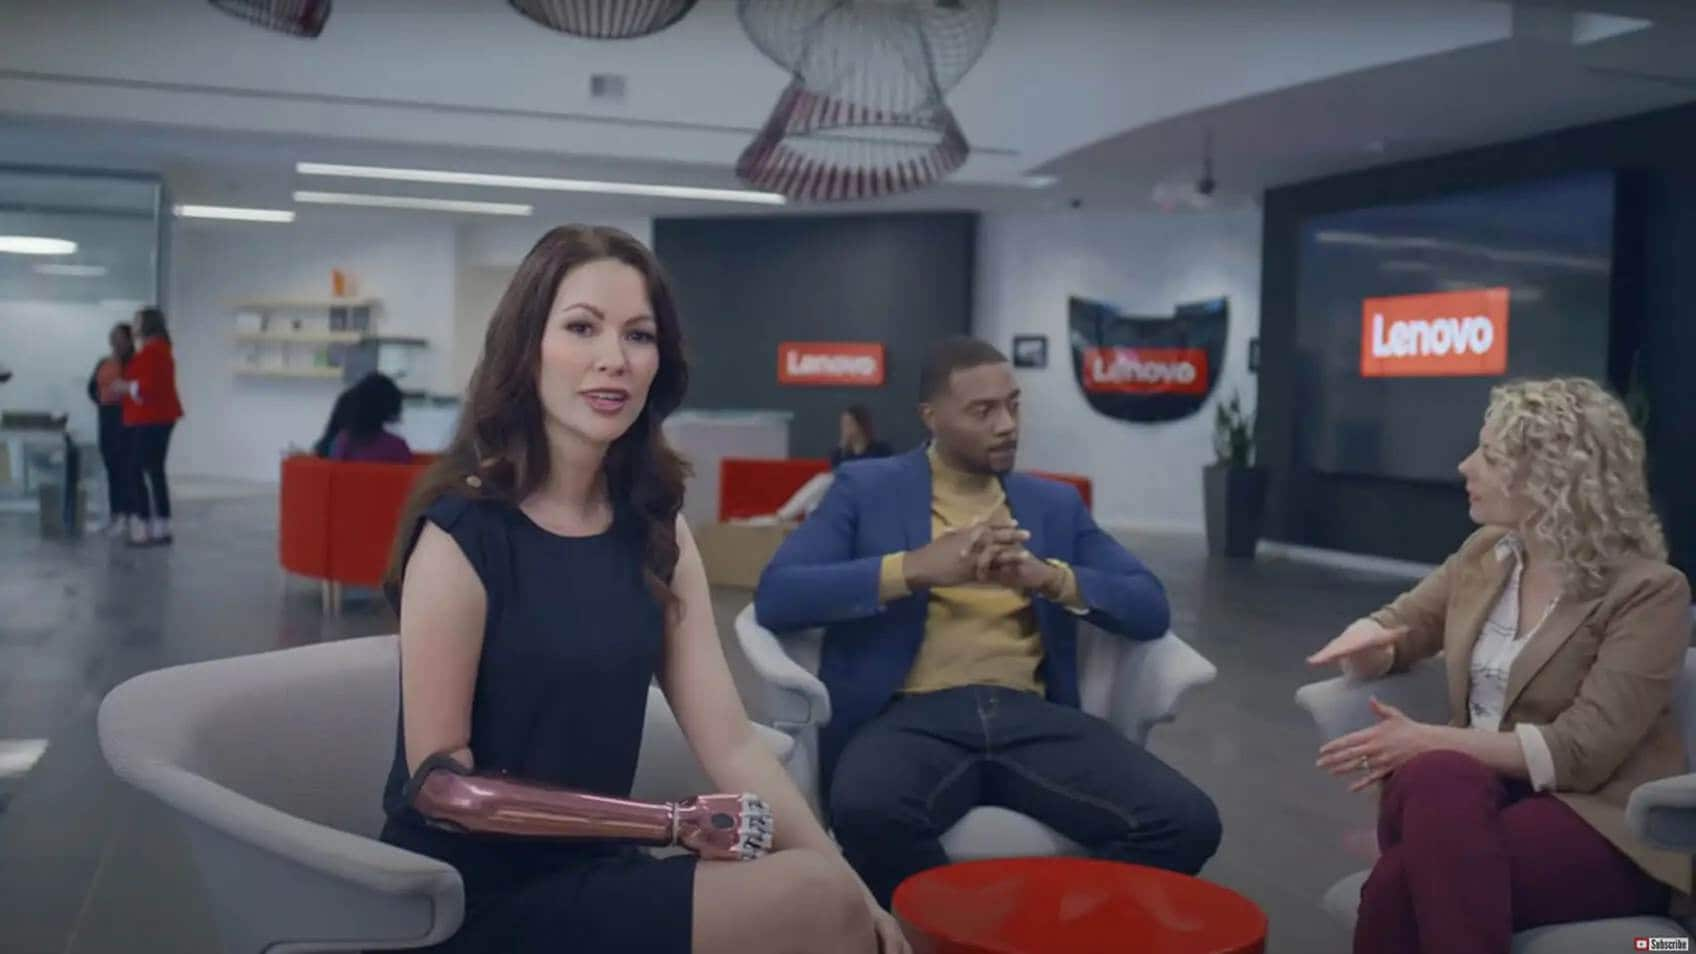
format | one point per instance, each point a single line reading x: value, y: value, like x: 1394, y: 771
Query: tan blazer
x: 1597, y: 676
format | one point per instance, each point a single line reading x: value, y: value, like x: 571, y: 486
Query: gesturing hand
x: 1363, y: 640
x: 724, y: 827
x: 1377, y: 751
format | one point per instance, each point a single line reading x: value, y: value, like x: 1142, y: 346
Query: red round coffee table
x: 1074, y: 906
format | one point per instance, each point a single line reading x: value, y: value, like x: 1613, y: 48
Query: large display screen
x: 1409, y: 314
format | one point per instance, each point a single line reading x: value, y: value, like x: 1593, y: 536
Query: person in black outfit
x: 858, y: 440
x: 543, y: 579
x: 114, y: 451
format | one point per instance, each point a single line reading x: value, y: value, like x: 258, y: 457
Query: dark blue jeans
x: 910, y: 774
x: 147, y: 445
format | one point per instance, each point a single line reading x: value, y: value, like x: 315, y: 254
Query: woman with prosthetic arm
x: 544, y: 581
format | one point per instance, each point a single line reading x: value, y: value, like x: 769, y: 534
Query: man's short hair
x: 959, y: 353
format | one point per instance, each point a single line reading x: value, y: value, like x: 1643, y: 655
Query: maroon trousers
x: 1469, y: 857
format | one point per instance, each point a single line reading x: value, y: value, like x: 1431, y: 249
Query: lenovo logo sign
x: 1122, y: 370
x: 830, y: 363
x: 1451, y: 334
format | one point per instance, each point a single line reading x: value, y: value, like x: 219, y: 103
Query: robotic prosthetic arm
x: 716, y: 827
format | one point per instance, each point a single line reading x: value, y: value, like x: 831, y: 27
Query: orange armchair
x: 337, y: 519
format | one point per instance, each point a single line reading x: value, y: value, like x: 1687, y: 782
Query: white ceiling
x: 1427, y: 106
x: 1108, y: 94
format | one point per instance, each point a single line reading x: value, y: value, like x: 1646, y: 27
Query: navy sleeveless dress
x: 571, y: 641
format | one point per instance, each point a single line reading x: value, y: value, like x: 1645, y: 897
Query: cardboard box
x: 736, y: 554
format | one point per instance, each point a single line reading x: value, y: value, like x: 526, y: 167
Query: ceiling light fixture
x: 72, y: 271
x: 419, y: 203
x: 233, y: 213
x: 36, y: 245
x: 538, y: 183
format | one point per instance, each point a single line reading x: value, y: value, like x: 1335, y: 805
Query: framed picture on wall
x: 1030, y: 351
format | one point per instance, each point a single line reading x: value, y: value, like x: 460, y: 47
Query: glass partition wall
x: 79, y: 252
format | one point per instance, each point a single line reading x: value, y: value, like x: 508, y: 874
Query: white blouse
x: 1493, y: 655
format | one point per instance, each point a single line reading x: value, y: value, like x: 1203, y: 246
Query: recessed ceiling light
x: 1039, y: 182
x: 36, y: 245
x: 539, y: 183
x: 234, y: 213
x: 72, y: 271
x: 412, y: 202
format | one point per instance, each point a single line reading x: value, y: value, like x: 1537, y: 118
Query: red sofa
x: 750, y: 487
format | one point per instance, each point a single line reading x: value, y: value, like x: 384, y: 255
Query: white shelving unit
x: 303, y: 304
x: 299, y: 337
x: 306, y: 373
x: 318, y: 339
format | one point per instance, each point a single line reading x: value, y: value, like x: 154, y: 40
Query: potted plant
x: 1235, y: 488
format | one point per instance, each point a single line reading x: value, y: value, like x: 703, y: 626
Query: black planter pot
x: 1236, y: 499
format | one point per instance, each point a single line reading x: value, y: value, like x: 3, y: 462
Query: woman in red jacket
x: 151, y: 410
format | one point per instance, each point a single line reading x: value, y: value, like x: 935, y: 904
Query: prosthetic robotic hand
x: 715, y: 827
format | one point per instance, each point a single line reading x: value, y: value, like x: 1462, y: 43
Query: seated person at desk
x: 1563, y: 632
x: 951, y: 591
x: 858, y: 440
x: 370, y: 404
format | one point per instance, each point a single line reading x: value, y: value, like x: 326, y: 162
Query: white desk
x: 707, y: 437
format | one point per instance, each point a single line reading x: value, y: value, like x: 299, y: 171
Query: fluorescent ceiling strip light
x: 72, y: 271
x: 233, y: 213
x: 412, y: 202
x: 36, y: 245
x: 539, y: 183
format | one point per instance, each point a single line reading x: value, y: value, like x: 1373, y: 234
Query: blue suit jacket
x: 826, y: 574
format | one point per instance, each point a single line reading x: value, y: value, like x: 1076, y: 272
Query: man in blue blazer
x: 950, y: 589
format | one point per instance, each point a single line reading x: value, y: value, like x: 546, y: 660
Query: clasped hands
x: 990, y: 551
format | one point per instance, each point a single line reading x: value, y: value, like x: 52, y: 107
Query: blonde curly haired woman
x: 1564, y: 631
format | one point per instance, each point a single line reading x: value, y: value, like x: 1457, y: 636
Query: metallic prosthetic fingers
x: 715, y: 827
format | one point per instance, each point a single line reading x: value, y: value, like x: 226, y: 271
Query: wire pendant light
x: 605, y: 19
x: 302, y: 18
x: 864, y: 114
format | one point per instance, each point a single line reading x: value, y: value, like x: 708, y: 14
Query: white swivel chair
x: 1133, y: 685
x: 274, y: 765
x: 1662, y: 813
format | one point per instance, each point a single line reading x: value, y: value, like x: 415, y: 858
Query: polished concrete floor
x: 87, y: 865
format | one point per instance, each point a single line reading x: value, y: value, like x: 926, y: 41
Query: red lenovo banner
x: 830, y: 364
x: 1145, y: 370
x: 1445, y: 335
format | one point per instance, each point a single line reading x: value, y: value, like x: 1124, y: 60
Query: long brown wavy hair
x: 499, y: 450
